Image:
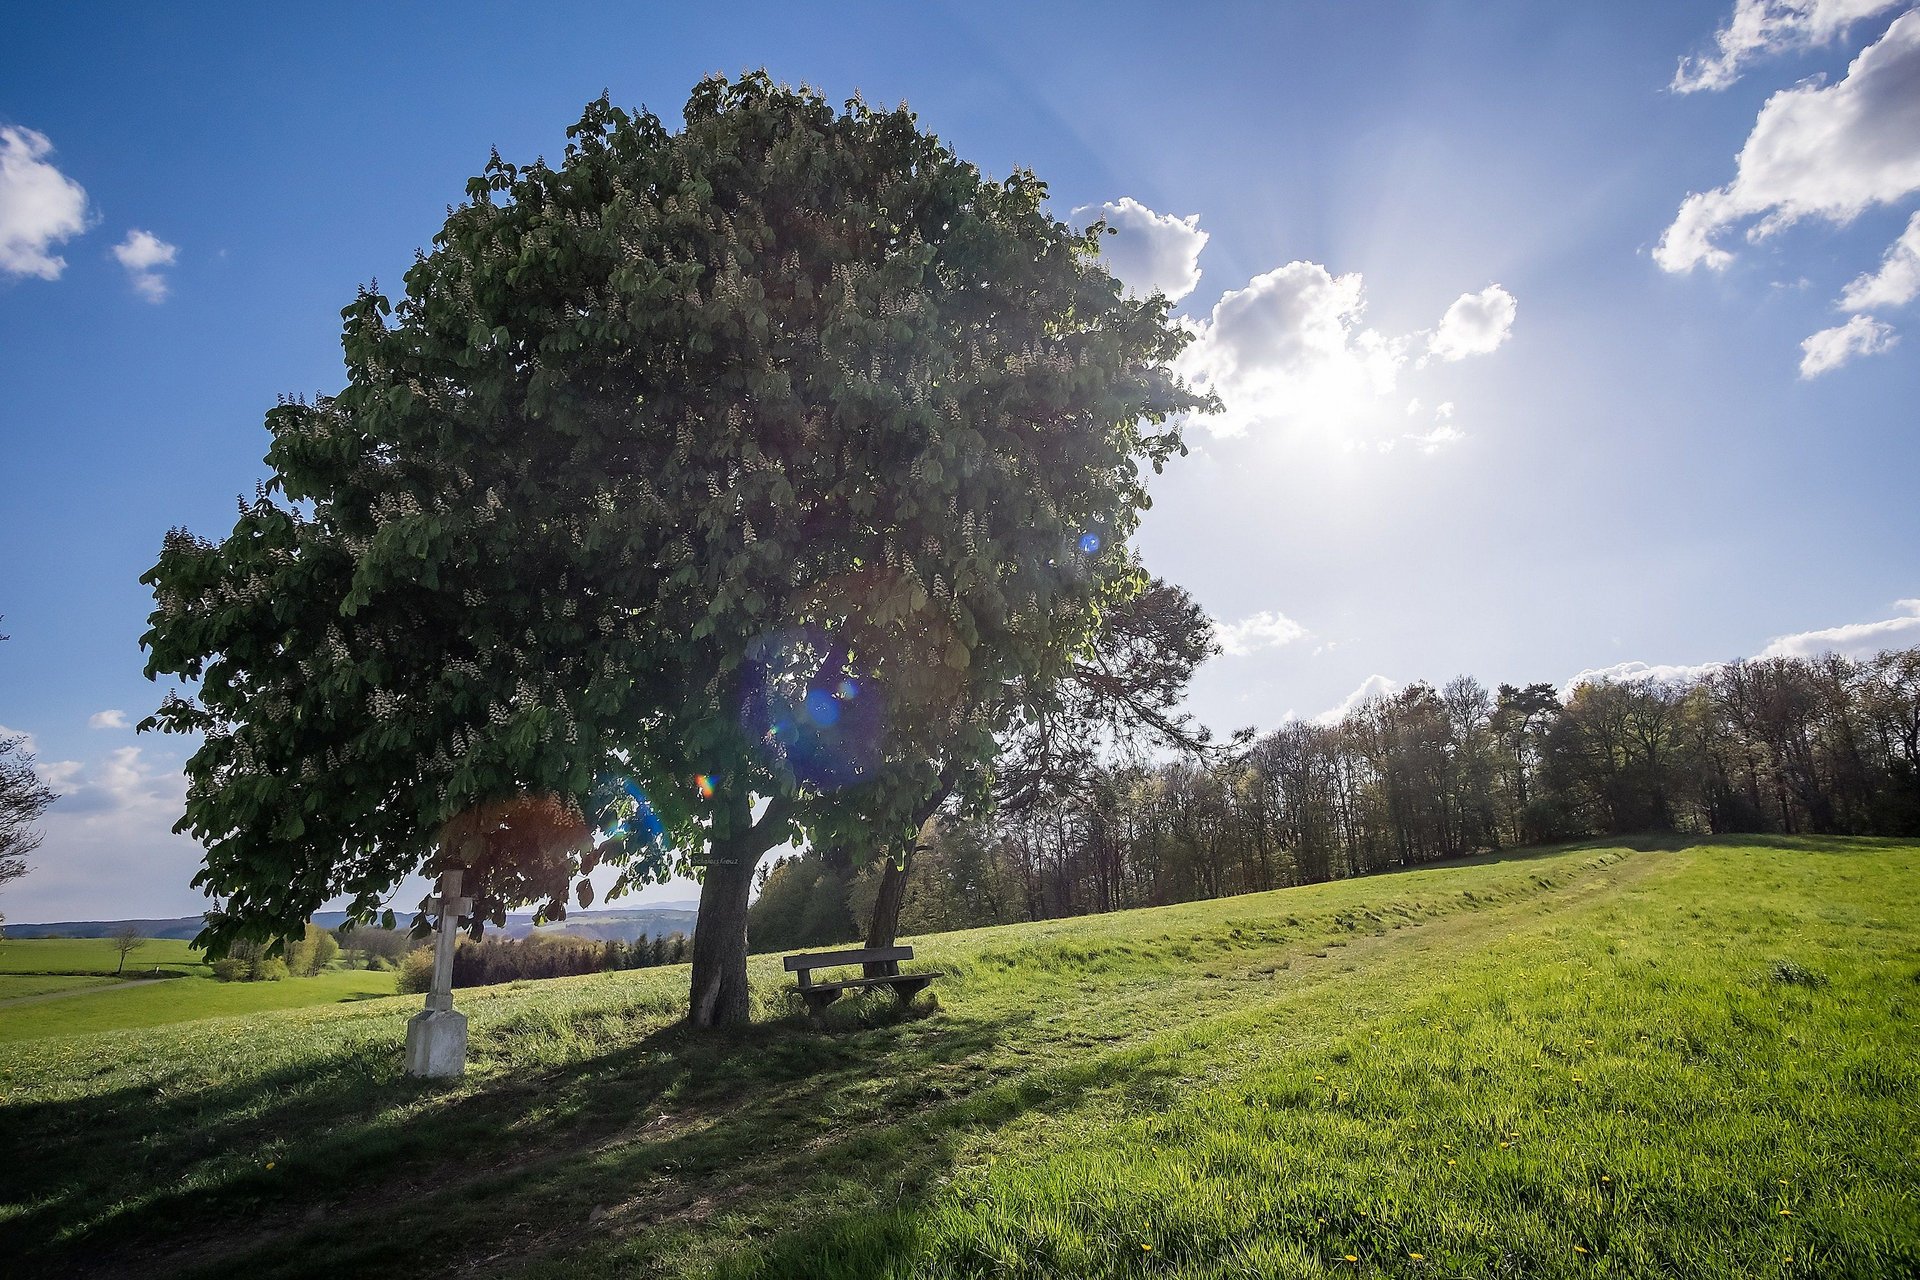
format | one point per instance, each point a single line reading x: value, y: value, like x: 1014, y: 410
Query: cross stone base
x: 437, y: 1043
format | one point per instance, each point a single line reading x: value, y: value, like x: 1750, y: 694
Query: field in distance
x: 97, y: 955
x: 1644, y: 1059
x: 79, y: 972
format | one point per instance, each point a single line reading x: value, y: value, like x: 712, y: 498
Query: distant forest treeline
x: 1825, y: 745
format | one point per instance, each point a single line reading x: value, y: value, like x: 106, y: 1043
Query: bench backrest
x: 856, y: 955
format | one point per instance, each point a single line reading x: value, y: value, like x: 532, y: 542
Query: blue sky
x: 1505, y: 401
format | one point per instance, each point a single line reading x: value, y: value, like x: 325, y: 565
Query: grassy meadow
x: 1659, y: 1059
x: 36, y: 967
x: 97, y: 955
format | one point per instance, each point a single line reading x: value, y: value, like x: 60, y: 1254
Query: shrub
x: 416, y: 972
x: 232, y: 969
x: 379, y: 964
x: 268, y: 969
x: 248, y: 961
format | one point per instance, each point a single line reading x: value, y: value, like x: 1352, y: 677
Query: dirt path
x: 79, y: 991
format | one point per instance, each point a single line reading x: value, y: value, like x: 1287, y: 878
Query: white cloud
x: 110, y: 719
x: 1474, y: 325
x: 1148, y: 250
x: 109, y: 849
x: 1896, y: 283
x: 1830, y: 348
x: 1374, y: 686
x: 1761, y: 28
x: 40, y: 207
x: 143, y: 254
x: 1637, y: 672
x: 1291, y: 348
x: 122, y: 781
x: 1852, y: 640
x: 1264, y: 630
x: 1855, y: 639
x: 1816, y: 151
x: 1441, y: 437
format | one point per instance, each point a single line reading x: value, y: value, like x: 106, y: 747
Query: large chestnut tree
x: 701, y: 489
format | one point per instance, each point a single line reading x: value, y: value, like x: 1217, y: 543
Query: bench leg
x: 905, y: 989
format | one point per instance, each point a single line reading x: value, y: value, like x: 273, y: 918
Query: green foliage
x: 314, y: 951
x: 232, y: 968
x: 416, y: 972
x: 249, y: 961
x: 658, y: 442
x: 363, y: 944
x: 801, y: 904
x: 1255, y: 1086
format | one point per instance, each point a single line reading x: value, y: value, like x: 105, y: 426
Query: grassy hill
x: 39, y: 967
x: 1651, y: 1060
x: 97, y: 955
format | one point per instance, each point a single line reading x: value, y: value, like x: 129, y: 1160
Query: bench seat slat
x: 894, y: 980
x: 856, y: 955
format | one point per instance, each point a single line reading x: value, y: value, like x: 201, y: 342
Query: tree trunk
x: 884, y: 925
x: 886, y: 910
x: 718, y: 996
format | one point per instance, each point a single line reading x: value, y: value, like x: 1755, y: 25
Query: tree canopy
x: 699, y: 484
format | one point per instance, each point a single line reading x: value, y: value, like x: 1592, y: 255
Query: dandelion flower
x: 1579, y: 1248
x: 1786, y: 1213
x: 1146, y: 1248
x: 269, y: 1164
x: 1353, y: 1257
x: 1451, y: 1163
x: 1418, y: 1257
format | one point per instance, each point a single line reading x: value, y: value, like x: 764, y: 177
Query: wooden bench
x: 819, y: 995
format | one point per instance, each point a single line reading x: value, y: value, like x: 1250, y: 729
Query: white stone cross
x: 437, y: 1036
x: 449, y: 906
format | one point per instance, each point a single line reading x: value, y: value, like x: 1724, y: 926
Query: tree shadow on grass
x: 387, y: 1172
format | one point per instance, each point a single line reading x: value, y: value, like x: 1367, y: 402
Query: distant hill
x: 625, y: 923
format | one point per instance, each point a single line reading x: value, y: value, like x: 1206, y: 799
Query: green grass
x: 159, y: 1004
x: 1645, y: 1054
x: 16, y: 986
x: 97, y: 955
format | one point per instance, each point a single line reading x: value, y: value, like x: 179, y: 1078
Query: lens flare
x: 643, y: 824
x: 822, y: 709
x: 848, y: 690
x: 1089, y: 544
x: 705, y: 783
